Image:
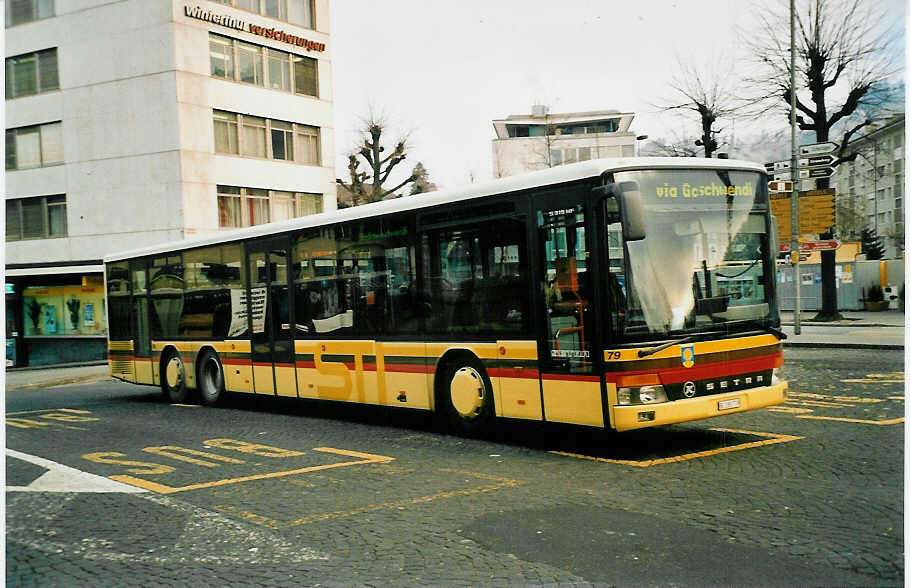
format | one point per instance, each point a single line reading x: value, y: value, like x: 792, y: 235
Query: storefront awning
x: 55, y: 270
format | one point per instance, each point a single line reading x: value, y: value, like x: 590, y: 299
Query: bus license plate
x: 728, y: 404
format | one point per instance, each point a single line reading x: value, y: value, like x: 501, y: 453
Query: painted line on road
x: 364, y: 458
x: 500, y: 483
x: 847, y: 420
x: 62, y: 478
x: 771, y: 439
x: 43, y: 410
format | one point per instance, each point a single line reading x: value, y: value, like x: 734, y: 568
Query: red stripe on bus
x: 401, y: 368
x: 526, y: 374
x: 708, y: 371
x: 229, y: 361
x: 121, y: 357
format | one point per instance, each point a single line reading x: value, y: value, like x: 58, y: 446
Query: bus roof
x: 546, y: 177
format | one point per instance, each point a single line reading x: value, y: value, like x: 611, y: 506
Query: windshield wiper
x: 689, y: 339
x: 769, y: 329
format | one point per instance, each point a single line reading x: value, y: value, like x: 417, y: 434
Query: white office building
x: 528, y: 142
x: 135, y: 122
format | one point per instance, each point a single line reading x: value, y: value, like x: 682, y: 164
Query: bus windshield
x: 706, y: 262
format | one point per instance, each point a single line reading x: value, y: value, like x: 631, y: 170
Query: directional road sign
x: 780, y: 186
x: 816, y: 161
x: 818, y: 148
x: 812, y: 245
x: 818, y: 172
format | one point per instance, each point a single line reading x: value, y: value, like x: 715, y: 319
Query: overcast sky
x: 441, y: 71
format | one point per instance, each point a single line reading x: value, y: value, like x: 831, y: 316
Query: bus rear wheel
x: 211, y: 378
x: 173, y: 378
x: 467, y: 397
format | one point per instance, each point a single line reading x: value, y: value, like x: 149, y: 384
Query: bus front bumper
x: 679, y: 411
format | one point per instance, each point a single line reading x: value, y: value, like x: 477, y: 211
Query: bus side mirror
x: 631, y: 209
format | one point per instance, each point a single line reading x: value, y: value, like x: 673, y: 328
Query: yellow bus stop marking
x: 499, y: 483
x: 834, y: 401
x: 771, y: 438
x: 846, y: 420
x: 364, y: 458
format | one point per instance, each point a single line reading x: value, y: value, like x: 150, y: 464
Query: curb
x: 31, y: 368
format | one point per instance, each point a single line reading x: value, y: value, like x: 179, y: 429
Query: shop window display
x: 64, y: 311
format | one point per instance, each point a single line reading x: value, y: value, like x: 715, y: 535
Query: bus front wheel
x: 173, y: 378
x: 211, y: 378
x: 467, y: 397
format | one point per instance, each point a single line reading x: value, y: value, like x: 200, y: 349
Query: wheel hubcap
x: 467, y: 392
x: 174, y: 373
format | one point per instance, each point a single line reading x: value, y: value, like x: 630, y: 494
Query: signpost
x: 817, y: 148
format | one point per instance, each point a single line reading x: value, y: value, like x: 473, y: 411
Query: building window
x: 225, y: 132
x: 244, y: 207
x: 279, y: 70
x: 32, y: 73
x: 282, y: 140
x: 221, y: 54
x: 38, y: 217
x: 249, y: 63
x: 235, y: 60
x: 306, y: 78
x: 253, y: 138
x: 286, y: 141
x: 298, y: 12
x: 307, y: 144
x: 34, y: 146
x: 22, y: 11
x: 307, y: 203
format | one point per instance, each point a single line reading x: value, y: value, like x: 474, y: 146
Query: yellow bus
x: 614, y: 293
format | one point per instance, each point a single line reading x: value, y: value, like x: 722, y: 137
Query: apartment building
x: 870, y: 189
x: 528, y: 142
x: 135, y: 122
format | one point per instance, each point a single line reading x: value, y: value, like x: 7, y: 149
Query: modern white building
x: 528, y: 142
x: 135, y: 122
x: 870, y: 189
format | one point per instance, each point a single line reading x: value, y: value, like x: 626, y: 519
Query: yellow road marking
x: 772, y: 438
x: 276, y: 524
x: 853, y: 399
x: 69, y: 410
x: 162, y: 489
x: 872, y: 381
x: 846, y: 420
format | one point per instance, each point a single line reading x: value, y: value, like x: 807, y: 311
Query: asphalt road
x: 109, y: 485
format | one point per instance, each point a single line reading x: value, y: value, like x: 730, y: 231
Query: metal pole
x: 794, y: 170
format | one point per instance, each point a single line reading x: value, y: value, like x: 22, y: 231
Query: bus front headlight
x: 777, y: 375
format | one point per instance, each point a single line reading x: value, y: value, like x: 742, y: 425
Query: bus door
x: 567, y: 309
x: 269, y: 314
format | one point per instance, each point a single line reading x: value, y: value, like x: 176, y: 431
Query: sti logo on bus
x: 687, y: 355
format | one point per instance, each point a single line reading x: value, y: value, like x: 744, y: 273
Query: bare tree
x: 706, y: 94
x: 674, y: 146
x: 370, y: 185
x: 844, y: 59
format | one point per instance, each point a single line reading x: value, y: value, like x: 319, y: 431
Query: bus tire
x: 467, y: 397
x: 210, y: 378
x: 173, y: 377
